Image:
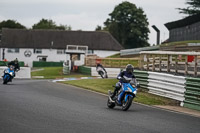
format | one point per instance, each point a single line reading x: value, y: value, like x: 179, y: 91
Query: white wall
x: 103, y: 53
x: 50, y: 53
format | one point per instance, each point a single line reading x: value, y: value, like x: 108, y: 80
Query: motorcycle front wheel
x: 126, y: 105
x: 5, y: 81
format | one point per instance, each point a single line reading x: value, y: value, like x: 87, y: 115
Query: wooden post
x: 153, y: 67
x: 176, y: 64
x: 168, y: 63
x: 141, y: 61
x: 160, y: 63
x: 195, y: 65
x: 119, y: 63
x: 186, y: 65
x: 147, y: 62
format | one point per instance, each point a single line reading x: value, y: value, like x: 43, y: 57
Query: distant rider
x: 121, y: 77
x: 14, y: 63
x: 99, y: 67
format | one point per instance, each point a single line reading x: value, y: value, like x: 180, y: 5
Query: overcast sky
x: 87, y: 14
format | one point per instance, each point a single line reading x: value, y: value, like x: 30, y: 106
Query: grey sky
x: 87, y: 14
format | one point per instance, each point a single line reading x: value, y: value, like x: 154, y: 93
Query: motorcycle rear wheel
x: 126, y: 105
x: 110, y: 104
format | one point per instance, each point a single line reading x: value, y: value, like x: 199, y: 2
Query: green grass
x: 114, y: 56
x: 55, y: 72
x: 103, y: 85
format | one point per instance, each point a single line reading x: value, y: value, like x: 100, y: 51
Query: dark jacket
x: 125, y: 74
x: 100, y: 66
x: 16, y: 65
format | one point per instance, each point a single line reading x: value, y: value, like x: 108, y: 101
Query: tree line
x: 127, y: 23
x: 42, y: 24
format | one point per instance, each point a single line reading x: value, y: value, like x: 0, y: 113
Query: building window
x: 60, y: 51
x: 13, y: 50
x: 90, y: 51
x: 37, y: 51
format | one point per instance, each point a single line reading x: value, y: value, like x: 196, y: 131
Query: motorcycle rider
x: 100, y: 67
x: 14, y: 63
x: 128, y: 73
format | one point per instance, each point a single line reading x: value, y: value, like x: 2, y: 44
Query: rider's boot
x: 110, y: 96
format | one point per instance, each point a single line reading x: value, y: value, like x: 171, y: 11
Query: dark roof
x: 183, y: 22
x: 20, y: 38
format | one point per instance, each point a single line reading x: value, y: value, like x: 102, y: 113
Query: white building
x: 50, y: 45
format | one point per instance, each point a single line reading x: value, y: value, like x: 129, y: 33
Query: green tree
x: 98, y: 28
x: 45, y: 24
x: 64, y: 27
x: 192, y: 9
x: 11, y: 24
x: 50, y: 24
x: 129, y: 25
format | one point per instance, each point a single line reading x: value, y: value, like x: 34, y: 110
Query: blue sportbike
x: 8, y: 75
x: 124, y: 97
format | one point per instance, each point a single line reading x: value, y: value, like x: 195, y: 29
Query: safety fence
x: 166, y: 85
x: 142, y: 78
x: 192, y: 94
x: 84, y: 70
x: 187, y: 63
x: 180, y: 88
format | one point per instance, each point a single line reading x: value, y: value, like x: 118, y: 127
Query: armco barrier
x: 192, y: 94
x: 142, y: 78
x: 84, y: 70
x: 167, y: 85
x: 24, y: 73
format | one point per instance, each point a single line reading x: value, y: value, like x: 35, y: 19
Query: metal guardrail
x: 192, y: 94
x: 142, y: 78
x: 167, y: 85
x: 135, y: 51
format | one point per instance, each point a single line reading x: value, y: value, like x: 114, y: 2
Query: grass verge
x: 103, y: 85
x: 55, y: 72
